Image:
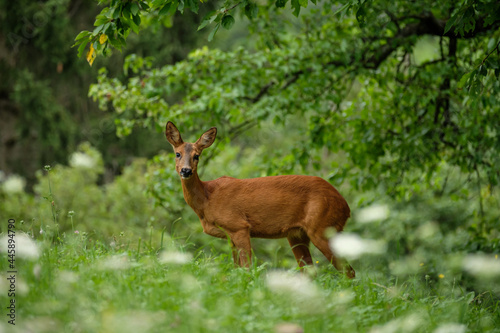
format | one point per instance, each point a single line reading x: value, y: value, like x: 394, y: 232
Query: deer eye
x: 178, y: 155
x: 196, y: 157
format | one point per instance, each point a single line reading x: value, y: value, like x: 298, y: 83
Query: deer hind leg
x: 299, y: 242
x: 242, y: 250
x: 322, y: 244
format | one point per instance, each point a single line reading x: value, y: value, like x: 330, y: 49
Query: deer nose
x: 186, y: 172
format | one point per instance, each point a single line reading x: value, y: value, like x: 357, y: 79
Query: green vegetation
x: 397, y: 88
x: 82, y: 286
x: 102, y: 259
x: 393, y: 102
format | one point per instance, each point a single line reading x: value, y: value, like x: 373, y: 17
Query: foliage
x: 384, y: 124
x: 134, y: 268
x: 396, y: 102
x: 68, y: 199
x: 44, y: 114
x: 157, y: 287
x: 32, y: 114
x: 397, y: 98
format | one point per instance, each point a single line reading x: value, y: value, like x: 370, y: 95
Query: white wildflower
x: 482, y: 265
x: 132, y: 321
x: 405, y: 324
x: 175, y: 257
x: 82, y: 160
x: 296, y: 284
x: 288, y: 328
x: 37, y: 270
x: 343, y: 296
x: 427, y: 231
x: 116, y: 262
x: 14, y: 184
x: 372, y: 214
x: 24, y: 246
x: 65, y: 276
x: 451, y: 328
x: 351, y: 246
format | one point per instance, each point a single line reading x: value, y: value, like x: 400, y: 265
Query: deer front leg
x: 236, y: 257
x: 242, y: 246
x: 212, y: 229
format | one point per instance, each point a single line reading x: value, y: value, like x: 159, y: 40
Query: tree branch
x: 261, y: 93
x: 427, y: 24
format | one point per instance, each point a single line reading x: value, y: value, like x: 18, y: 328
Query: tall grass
x: 79, y: 285
x: 105, y: 261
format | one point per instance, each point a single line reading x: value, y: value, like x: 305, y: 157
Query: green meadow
x: 106, y: 274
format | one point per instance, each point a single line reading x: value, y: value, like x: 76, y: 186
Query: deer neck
x: 194, y: 193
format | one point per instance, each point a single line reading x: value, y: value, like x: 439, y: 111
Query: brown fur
x: 300, y: 208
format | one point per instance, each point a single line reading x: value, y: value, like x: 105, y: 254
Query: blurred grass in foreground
x: 83, y: 286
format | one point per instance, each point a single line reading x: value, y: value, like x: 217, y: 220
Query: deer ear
x: 173, y: 135
x: 207, y: 138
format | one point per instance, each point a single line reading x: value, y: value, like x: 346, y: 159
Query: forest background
x: 393, y: 102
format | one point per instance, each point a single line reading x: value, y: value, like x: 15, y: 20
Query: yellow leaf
x: 91, y: 55
x: 103, y: 39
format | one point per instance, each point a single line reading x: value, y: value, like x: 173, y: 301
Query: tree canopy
x: 399, y: 86
x: 44, y: 109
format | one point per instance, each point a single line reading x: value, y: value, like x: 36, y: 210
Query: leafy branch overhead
x: 116, y: 21
x: 395, y: 86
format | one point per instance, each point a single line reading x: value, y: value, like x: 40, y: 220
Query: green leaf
x: 158, y: 3
x: 114, y: 42
x: 83, y: 34
x: 81, y: 48
x: 304, y: 3
x: 214, y: 31
x: 469, y: 21
x: 296, y: 7
x: 134, y: 9
x: 450, y: 23
x: 98, y: 29
x: 193, y: 5
x: 164, y: 10
x: 100, y: 21
x: 281, y: 3
x: 492, y: 43
x: 228, y: 21
x: 251, y: 10
x: 134, y: 26
x: 106, y: 27
x: 209, y: 18
x: 347, y: 6
x: 361, y: 16
x: 174, y: 7
x: 483, y: 71
x: 126, y: 11
x: 116, y: 12
x: 137, y: 20
x: 475, y: 86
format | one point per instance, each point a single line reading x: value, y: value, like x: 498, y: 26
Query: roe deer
x: 300, y: 208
